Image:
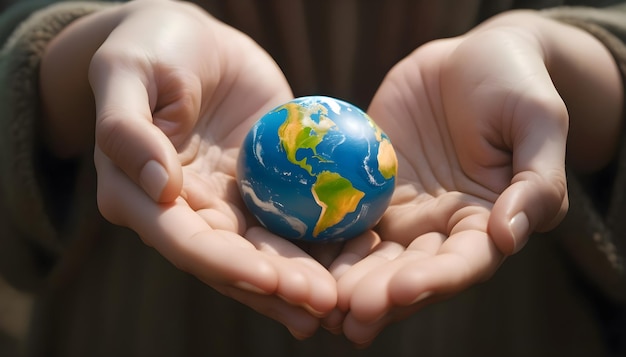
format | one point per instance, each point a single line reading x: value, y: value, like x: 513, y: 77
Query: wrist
x: 68, y: 109
x: 588, y: 80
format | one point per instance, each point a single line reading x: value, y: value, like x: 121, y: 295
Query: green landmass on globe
x: 334, y: 193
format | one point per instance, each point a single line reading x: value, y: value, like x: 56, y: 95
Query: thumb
x: 529, y: 204
x: 126, y: 134
x: 536, y: 198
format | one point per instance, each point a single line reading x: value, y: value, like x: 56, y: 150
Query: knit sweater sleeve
x: 594, y: 230
x: 27, y: 233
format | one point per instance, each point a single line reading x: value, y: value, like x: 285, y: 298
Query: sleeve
x: 29, y: 241
x: 594, y: 230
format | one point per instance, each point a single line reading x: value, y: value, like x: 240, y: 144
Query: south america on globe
x: 317, y: 169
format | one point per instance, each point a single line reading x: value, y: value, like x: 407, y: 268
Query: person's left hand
x: 480, y: 134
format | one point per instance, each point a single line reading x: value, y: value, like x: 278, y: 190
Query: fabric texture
x: 594, y: 232
x: 24, y: 183
x: 100, y: 291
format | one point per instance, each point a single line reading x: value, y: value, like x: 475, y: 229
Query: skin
x: 185, y: 104
x: 492, y: 138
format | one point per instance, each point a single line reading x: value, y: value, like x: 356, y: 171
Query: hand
x: 480, y: 131
x: 175, y: 93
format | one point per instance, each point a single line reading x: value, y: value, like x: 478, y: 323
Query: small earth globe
x: 317, y: 169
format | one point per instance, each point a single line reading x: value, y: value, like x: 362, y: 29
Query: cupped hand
x: 480, y: 133
x: 176, y: 92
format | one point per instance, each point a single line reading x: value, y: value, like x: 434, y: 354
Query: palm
x: 438, y: 190
x: 460, y: 171
x: 201, y: 109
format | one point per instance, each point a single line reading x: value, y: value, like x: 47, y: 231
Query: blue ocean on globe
x: 317, y: 169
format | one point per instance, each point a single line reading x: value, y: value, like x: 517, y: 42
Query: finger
x: 537, y: 196
x: 529, y: 204
x: 382, y: 255
x: 363, y: 334
x: 371, y: 298
x: 208, y: 255
x: 300, y: 323
x: 464, y: 259
x: 182, y: 236
x: 418, y: 277
x: 301, y: 279
x: 372, y: 306
x: 353, y: 252
x: 333, y: 321
x: 408, y: 218
x: 125, y: 131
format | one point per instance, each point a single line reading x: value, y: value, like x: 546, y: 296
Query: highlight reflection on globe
x: 317, y: 169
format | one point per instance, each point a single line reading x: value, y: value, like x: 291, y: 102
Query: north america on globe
x: 317, y: 169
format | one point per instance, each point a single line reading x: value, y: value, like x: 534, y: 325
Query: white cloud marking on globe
x: 296, y: 224
x: 345, y: 227
x: 258, y: 148
x: 371, y: 178
x: 332, y: 104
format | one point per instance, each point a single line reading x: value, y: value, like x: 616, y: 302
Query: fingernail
x: 313, y: 311
x: 244, y: 285
x: 332, y: 328
x: 423, y: 296
x: 335, y: 330
x: 153, y: 179
x: 363, y: 345
x: 300, y: 336
x: 519, y: 226
x: 307, y: 307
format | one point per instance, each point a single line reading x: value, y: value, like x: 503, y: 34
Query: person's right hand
x: 176, y: 91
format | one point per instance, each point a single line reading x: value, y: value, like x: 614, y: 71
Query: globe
x: 317, y: 169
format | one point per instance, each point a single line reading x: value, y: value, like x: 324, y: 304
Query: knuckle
x: 546, y: 104
x: 109, y: 135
